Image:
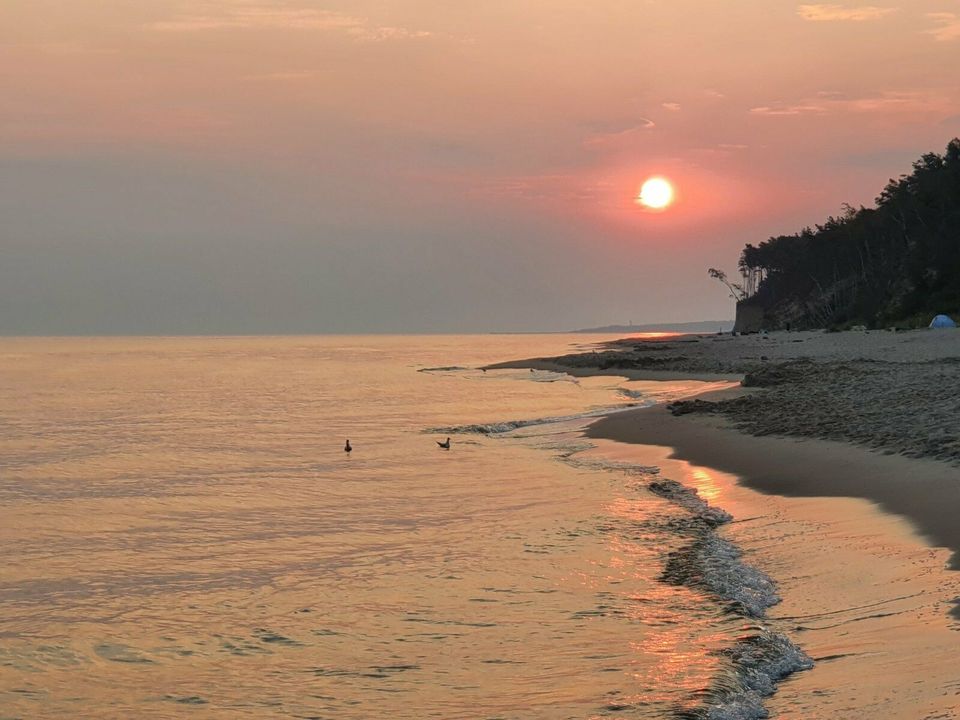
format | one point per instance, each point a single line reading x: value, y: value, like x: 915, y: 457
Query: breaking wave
x: 714, y: 565
x: 757, y: 664
x: 710, y: 563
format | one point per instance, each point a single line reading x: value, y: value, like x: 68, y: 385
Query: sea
x: 184, y: 536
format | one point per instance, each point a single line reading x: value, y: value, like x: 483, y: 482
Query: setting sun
x: 656, y: 194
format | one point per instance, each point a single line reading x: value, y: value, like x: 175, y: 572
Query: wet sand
x: 862, y: 593
x: 925, y: 492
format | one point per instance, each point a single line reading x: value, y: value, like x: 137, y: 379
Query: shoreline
x: 778, y: 439
x: 858, y: 531
x: 883, y: 390
x: 802, y: 467
x: 863, y: 549
x: 861, y: 593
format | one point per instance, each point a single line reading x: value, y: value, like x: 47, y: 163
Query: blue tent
x: 942, y: 321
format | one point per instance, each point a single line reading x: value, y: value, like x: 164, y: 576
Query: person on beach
x: 347, y: 448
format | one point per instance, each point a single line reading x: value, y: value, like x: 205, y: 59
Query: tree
x: 896, y: 261
x: 736, y: 291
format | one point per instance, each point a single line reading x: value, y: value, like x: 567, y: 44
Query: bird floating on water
x: 445, y: 444
x: 347, y: 448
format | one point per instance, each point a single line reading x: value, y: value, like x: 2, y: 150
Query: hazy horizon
x: 532, y: 331
x: 221, y: 167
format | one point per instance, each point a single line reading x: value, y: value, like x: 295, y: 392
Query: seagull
x: 445, y: 444
x: 347, y: 448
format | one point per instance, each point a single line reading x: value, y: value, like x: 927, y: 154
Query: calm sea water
x: 183, y: 536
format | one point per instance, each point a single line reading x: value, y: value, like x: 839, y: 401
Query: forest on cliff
x: 897, y: 263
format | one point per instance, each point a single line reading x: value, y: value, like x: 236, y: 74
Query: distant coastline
x: 702, y: 326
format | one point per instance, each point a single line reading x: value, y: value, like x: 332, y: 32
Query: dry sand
x: 895, y: 392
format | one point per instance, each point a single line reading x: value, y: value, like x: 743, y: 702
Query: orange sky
x: 334, y: 166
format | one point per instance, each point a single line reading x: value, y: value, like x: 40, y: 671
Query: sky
x: 354, y: 166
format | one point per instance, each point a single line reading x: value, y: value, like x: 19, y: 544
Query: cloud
x: 949, y: 26
x: 611, y: 133
x: 889, y: 102
x: 788, y: 110
x: 555, y: 188
x: 671, y: 106
x: 255, y: 17
x: 906, y: 101
x: 831, y: 13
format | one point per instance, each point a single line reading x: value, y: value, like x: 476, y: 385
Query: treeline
x: 894, y: 264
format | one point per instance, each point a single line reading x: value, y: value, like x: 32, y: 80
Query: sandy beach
x: 891, y: 391
x: 848, y: 443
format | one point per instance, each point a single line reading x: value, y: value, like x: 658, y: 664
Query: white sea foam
x: 713, y: 564
x: 727, y: 576
x: 758, y: 664
x: 690, y: 499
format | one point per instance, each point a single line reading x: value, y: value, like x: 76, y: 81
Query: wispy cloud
x: 781, y: 109
x: 558, y: 188
x: 259, y: 17
x: 949, y: 26
x: 833, y: 13
x: 671, y: 106
x: 890, y: 102
x: 614, y: 133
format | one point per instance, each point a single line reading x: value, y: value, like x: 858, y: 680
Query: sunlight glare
x: 656, y: 193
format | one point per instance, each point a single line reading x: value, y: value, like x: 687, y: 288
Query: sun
x: 656, y: 194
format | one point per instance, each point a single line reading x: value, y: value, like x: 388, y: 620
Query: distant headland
x: 893, y: 265
x: 703, y: 326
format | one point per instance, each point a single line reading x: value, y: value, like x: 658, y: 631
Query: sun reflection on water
x: 706, y: 484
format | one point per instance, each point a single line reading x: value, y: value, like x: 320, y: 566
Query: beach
x: 844, y: 445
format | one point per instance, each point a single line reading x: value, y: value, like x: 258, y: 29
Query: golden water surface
x: 183, y: 536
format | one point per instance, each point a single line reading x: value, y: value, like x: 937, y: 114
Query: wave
x: 710, y: 563
x: 690, y: 499
x: 757, y: 664
x: 715, y: 565
x: 496, y: 428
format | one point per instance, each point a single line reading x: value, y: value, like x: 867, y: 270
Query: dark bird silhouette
x: 347, y: 448
x: 445, y: 444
